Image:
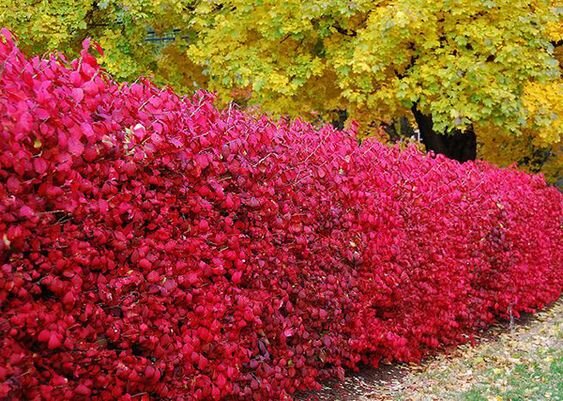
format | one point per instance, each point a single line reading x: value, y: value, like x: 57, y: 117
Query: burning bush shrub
x: 154, y: 247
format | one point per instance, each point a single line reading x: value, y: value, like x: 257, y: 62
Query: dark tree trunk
x: 457, y: 145
x: 398, y: 129
x: 340, y: 120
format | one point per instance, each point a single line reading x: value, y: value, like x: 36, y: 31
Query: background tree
x: 139, y: 37
x: 454, y: 65
x: 537, y: 146
x: 456, y: 69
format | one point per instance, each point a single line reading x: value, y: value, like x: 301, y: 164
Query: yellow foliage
x: 544, y: 106
x: 506, y: 149
x: 538, y: 146
x: 121, y: 27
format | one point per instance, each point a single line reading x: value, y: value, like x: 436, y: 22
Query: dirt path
x: 520, y: 361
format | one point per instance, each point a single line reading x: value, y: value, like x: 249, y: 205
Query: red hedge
x: 154, y: 247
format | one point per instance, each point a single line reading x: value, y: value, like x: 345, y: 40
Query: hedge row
x: 153, y: 247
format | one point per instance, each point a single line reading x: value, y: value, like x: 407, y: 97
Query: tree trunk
x: 457, y: 145
x: 340, y: 120
x: 398, y: 129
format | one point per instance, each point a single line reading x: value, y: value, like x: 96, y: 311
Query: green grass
x: 539, y: 381
x: 518, y: 363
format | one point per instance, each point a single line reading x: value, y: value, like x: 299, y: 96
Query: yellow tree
x: 455, y: 67
x: 537, y: 146
x: 139, y: 37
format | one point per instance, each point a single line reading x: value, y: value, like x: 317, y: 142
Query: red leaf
x: 75, y: 146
